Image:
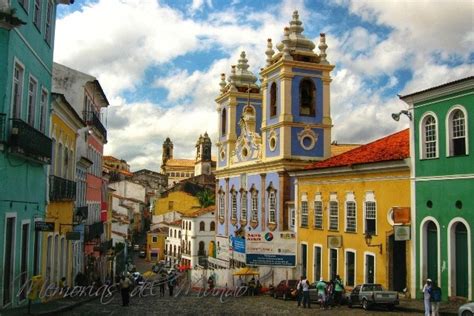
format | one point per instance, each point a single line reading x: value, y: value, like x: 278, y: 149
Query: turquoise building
x: 26, y: 60
x: 443, y: 170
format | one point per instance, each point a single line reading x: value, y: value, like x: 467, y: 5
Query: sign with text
x: 222, y: 248
x: 402, y: 232
x: 271, y: 249
x: 401, y: 215
x: 44, y: 226
x: 238, y: 248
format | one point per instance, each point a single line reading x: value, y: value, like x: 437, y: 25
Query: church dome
x: 240, y: 76
x: 297, y: 41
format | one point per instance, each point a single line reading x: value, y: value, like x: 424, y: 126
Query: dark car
x: 284, y: 289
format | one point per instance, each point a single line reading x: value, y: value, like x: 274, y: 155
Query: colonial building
x: 266, y: 130
x: 443, y: 171
x: 173, y: 243
x: 345, y: 220
x: 27, y: 31
x: 155, y: 244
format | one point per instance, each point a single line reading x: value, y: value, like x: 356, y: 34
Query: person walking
x: 299, y: 292
x: 305, y: 288
x: 162, y: 282
x: 171, y: 283
x: 321, y: 288
x: 252, y: 286
x: 338, y: 290
x: 435, y: 298
x: 125, y: 285
x: 427, y: 297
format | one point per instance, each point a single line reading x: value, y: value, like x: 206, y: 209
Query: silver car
x: 466, y: 309
x: 370, y: 294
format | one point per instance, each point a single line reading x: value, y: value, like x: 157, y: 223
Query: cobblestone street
x: 191, y: 304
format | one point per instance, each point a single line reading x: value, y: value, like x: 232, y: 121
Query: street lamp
x: 368, y: 241
x: 396, y: 116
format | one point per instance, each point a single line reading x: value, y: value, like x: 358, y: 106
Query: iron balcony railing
x: 61, y: 189
x: 28, y: 142
x: 93, y: 119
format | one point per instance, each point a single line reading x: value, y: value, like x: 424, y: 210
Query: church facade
x: 267, y: 129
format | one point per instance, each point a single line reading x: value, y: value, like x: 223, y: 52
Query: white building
x: 173, y: 242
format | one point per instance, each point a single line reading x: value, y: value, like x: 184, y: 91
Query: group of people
x: 431, y: 298
x: 329, y: 293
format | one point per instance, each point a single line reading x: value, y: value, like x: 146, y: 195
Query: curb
x: 66, y: 308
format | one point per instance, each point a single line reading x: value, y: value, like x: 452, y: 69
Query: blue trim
x: 308, y: 71
x: 297, y: 150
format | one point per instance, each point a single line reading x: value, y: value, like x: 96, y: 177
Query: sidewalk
x: 49, y: 308
x: 445, y: 308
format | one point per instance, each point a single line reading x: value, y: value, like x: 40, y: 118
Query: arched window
x: 223, y: 121
x: 307, y: 97
x: 202, y: 226
x: 59, y: 167
x: 273, y: 99
x: 254, y: 213
x: 243, y: 206
x: 234, y: 204
x: 213, y: 226
x: 457, y: 133
x: 66, y: 163
x: 429, y: 145
x: 202, y: 251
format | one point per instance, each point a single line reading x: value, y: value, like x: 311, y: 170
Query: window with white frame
x: 254, y: 196
x: 292, y: 213
x: 243, y: 205
x: 221, y: 204
x: 304, y: 211
x: 457, y: 133
x: 318, y: 211
x: 351, y: 221
x: 429, y: 142
x: 272, y: 206
x: 49, y: 23
x: 234, y: 204
x: 37, y: 14
x: 370, y: 214
x: 43, y: 108
x: 17, y: 90
x: 333, y: 215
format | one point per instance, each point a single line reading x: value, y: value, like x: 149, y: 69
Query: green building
x: 26, y: 60
x: 443, y: 170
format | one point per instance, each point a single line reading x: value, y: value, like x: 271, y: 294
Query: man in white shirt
x: 305, y: 288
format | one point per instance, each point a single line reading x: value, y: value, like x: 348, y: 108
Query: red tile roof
x: 392, y: 147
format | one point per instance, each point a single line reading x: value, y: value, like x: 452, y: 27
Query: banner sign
x: 271, y: 249
x: 222, y: 248
x: 402, y: 232
x: 238, y: 248
x: 44, y: 226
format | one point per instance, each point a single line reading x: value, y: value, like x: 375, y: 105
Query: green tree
x: 206, y: 198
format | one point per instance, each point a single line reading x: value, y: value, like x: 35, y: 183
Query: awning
x: 246, y: 271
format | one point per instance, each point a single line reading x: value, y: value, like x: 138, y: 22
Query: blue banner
x: 238, y: 244
x: 271, y: 260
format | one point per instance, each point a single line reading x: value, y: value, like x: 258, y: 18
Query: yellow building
x: 155, y: 244
x: 344, y: 218
x: 56, y: 245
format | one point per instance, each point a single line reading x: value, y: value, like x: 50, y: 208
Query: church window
x: 221, y: 204
x: 224, y: 122
x: 273, y: 99
x: 254, y: 196
x: 213, y: 226
x: 234, y: 204
x: 457, y: 132
x: 243, y: 206
x: 272, y: 206
x: 307, y: 97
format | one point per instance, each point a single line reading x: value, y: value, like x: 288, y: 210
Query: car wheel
x: 285, y: 297
x: 365, y: 304
x: 466, y: 313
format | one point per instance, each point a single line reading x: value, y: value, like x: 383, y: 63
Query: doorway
x: 304, y: 257
x: 397, y: 267
x: 461, y: 258
x: 332, y: 263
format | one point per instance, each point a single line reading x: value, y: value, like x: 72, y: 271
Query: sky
x: 159, y: 62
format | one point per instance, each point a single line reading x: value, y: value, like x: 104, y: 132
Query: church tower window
x: 224, y: 122
x: 307, y: 97
x: 273, y: 100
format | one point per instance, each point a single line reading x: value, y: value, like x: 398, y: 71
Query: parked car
x: 142, y: 254
x: 466, y: 309
x: 284, y: 289
x: 370, y: 294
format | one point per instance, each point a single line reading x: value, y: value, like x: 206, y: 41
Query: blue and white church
x: 267, y: 129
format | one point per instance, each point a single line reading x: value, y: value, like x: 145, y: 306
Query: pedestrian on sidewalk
x: 299, y: 292
x: 305, y: 289
x: 125, y: 284
x: 162, y: 282
x: 338, y: 290
x: 171, y: 282
x: 321, y: 287
x: 435, y: 297
x: 427, y: 297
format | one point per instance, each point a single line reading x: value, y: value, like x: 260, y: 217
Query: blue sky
x: 159, y: 61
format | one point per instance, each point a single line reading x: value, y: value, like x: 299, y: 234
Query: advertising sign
x: 44, y: 226
x: 402, y: 233
x: 238, y: 247
x: 271, y: 249
x: 222, y: 248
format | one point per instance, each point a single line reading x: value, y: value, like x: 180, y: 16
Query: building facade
x: 26, y: 50
x: 344, y: 218
x: 443, y: 169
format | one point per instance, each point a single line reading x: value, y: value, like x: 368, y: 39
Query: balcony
x: 93, y: 119
x: 61, y: 189
x: 29, y: 143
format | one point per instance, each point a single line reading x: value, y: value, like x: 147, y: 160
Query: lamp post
x: 368, y: 241
x: 396, y: 116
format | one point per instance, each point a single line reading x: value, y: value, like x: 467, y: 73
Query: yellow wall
x: 181, y: 202
x: 160, y: 244
x: 390, y: 189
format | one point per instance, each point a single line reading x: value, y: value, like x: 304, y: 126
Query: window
x: 17, y: 91
x: 66, y: 163
x: 370, y: 217
x: 154, y: 239
x: 223, y: 122
x: 234, y: 204
x: 243, y: 206
x: 25, y: 236
x: 350, y: 268
x: 304, y: 213
x: 43, y: 108
x: 457, y: 133
x: 333, y: 215
x: 221, y: 204
x: 307, y: 97
x: 273, y: 99
x: 255, y: 205
x: 49, y: 23
x: 170, y: 205
x: 213, y: 226
x: 292, y: 217
x: 59, y: 161
x: 9, y: 255
x: 429, y: 134
x: 351, y: 216
x: 24, y: 4
x: 272, y: 206
x: 318, y: 212
x: 37, y: 14
x: 202, y: 226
